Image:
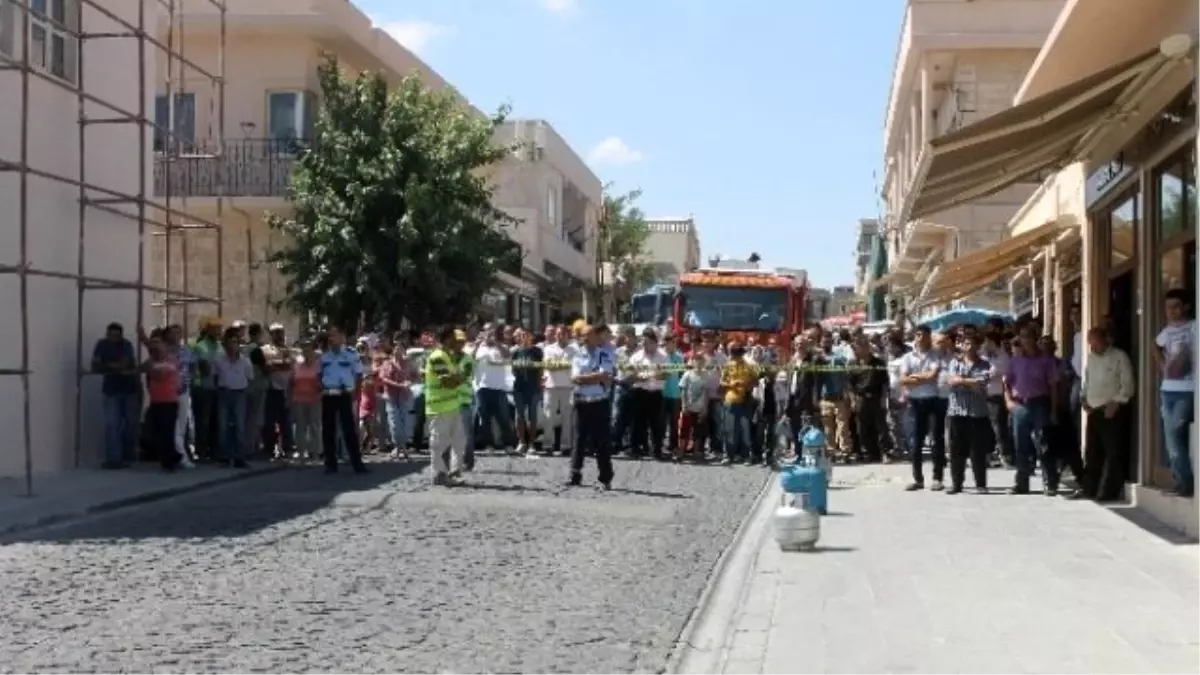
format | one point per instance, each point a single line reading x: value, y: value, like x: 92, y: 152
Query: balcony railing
x: 247, y: 167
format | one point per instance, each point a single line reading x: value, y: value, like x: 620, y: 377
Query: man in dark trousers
x: 802, y: 382
x: 868, y: 384
x: 341, y: 378
x: 1107, y: 386
x: 592, y: 373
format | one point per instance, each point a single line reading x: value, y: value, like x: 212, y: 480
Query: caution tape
x: 554, y: 365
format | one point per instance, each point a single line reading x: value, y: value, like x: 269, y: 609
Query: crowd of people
x: 992, y: 395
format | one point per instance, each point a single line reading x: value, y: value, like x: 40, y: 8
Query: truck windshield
x: 644, y: 308
x: 732, y: 308
x: 651, y: 308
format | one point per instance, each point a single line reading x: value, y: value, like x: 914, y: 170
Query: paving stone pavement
x: 930, y: 583
x: 301, y: 572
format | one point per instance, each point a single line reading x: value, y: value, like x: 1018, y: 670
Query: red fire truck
x: 736, y: 303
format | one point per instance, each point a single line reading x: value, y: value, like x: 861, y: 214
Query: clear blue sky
x: 762, y: 117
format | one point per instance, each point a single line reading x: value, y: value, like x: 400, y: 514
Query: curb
x: 135, y: 500
x: 702, y: 639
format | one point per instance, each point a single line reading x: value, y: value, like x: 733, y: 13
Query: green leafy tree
x: 623, y: 236
x: 393, y: 215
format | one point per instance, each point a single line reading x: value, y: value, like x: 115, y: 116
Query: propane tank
x: 796, y: 528
x: 807, y: 479
x: 814, y: 451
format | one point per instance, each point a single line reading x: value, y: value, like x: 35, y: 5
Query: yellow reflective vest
x: 466, y: 390
x: 440, y: 398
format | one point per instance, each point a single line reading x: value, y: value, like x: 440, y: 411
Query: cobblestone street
x: 297, y: 571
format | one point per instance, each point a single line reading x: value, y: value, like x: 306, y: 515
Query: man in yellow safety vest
x: 443, y: 414
x: 466, y: 397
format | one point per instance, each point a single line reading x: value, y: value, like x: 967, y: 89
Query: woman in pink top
x: 306, y: 401
x: 394, y: 377
x: 162, y: 385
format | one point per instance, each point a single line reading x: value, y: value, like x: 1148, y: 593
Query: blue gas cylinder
x: 812, y: 438
x: 807, y: 479
x: 814, y: 451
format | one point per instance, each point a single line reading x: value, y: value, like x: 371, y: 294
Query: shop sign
x: 1107, y: 177
x: 1175, y: 118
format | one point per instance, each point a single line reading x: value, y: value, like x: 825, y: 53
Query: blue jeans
x: 1029, y: 420
x: 121, y: 413
x: 492, y: 405
x: 737, y: 429
x: 1177, y: 413
x: 231, y: 424
x: 397, y: 420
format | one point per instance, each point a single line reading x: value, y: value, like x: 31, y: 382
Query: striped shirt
x: 969, y: 401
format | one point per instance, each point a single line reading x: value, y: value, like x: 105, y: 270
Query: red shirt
x: 306, y: 383
x: 162, y: 381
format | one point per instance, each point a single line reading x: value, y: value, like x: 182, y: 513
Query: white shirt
x: 1000, y: 361
x: 917, y: 363
x: 559, y: 379
x: 648, y: 365
x: 490, y: 369
x: 1175, y: 339
x: 944, y: 361
x: 895, y: 368
x: 1108, y: 379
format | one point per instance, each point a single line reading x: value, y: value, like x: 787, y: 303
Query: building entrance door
x: 1123, y: 327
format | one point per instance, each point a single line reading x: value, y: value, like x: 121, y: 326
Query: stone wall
x: 247, y: 285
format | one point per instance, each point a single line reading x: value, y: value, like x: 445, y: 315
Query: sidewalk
x: 68, y: 495
x: 926, y: 582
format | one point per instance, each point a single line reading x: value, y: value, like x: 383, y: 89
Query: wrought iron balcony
x: 245, y: 167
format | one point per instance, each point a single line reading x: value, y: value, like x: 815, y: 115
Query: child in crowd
x: 368, y: 399
x: 694, y: 394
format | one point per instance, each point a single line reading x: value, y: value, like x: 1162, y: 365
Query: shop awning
x: 977, y: 269
x: 887, y: 279
x: 1023, y: 142
x: 920, y: 241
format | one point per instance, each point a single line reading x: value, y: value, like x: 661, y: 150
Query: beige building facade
x: 673, y: 247
x: 73, y: 254
x: 957, y: 63
x: 242, y: 143
x: 236, y: 147
x: 550, y: 189
x: 1106, y: 118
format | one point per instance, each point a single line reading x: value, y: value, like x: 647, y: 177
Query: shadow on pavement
x: 496, y: 487
x: 1149, y: 523
x: 229, y: 510
x: 651, y: 493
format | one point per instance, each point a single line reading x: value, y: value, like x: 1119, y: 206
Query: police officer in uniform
x: 443, y: 412
x: 341, y: 377
x: 592, y: 372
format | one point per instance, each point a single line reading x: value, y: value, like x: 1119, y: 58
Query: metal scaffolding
x: 166, y: 219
